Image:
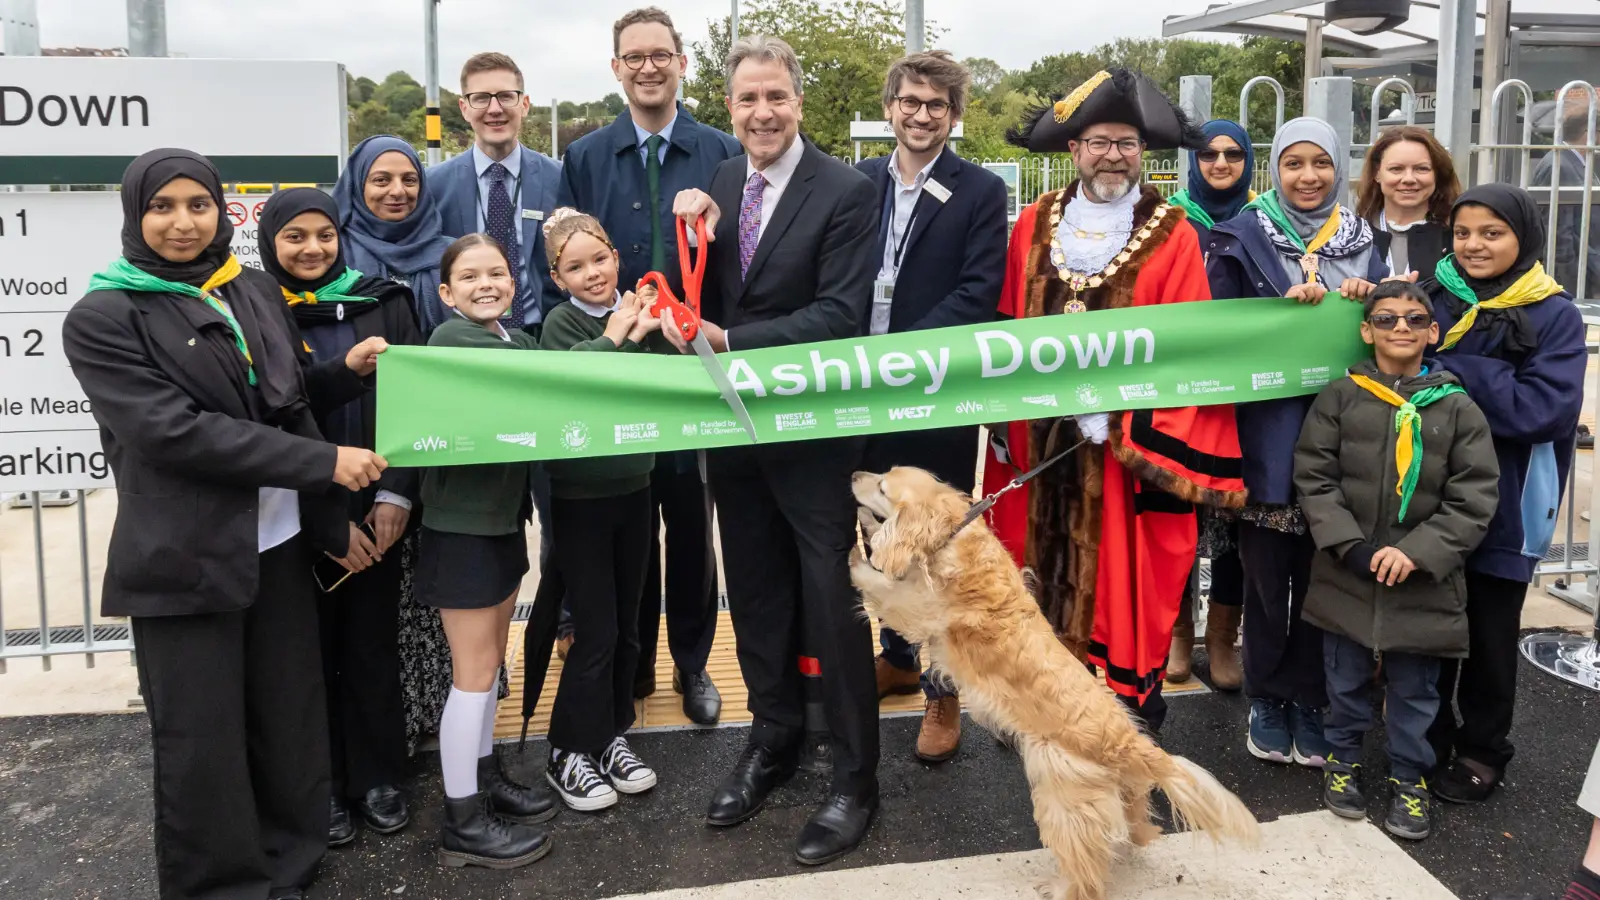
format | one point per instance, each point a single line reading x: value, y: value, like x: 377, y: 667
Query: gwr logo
x: 431, y: 444
x: 911, y: 412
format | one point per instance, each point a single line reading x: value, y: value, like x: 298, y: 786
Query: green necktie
x: 652, y: 177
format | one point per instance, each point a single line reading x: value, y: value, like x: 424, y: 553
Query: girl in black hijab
x: 206, y: 417
x: 1513, y: 337
x: 337, y: 307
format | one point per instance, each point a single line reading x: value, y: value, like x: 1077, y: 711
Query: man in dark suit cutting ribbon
x: 792, y: 263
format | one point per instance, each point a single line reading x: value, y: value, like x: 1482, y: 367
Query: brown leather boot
x: 1180, y: 658
x: 941, y: 730
x: 1222, y: 633
x: 894, y: 680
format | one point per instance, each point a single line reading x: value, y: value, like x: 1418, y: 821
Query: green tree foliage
x: 844, y: 48
x: 614, y: 104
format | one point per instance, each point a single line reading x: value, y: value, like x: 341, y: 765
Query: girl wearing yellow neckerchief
x: 1515, y: 340
x: 1297, y: 241
x: 226, y: 493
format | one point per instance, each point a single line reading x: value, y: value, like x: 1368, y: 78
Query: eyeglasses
x: 1387, y: 321
x: 1210, y: 156
x: 480, y: 99
x: 1102, y: 146
x: 937, y: 109
x: 660, y: 59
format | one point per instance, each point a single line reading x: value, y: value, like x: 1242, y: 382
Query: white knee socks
x: 461, y: 731
x: 486, y: 745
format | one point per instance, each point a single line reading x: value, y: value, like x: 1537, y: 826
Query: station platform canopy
x: 1548, y: 42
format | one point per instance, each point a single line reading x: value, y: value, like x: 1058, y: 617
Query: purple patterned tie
x: 750, y: 221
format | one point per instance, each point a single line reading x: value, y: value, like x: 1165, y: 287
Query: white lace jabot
x: 1113, y: 220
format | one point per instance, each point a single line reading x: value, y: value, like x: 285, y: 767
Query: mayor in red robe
x: 1109, y: 531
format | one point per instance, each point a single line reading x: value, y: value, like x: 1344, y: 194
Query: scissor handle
x: 688, y: 320
x: 694, y: 270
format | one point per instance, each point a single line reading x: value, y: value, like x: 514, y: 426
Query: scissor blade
x: 719, y: 377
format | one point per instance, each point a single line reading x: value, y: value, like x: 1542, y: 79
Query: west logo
x: 910, y: 412
x: 431, y: 444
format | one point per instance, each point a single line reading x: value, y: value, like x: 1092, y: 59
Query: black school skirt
x: 469, y: 571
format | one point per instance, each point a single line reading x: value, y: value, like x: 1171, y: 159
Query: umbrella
x: 538, y: 641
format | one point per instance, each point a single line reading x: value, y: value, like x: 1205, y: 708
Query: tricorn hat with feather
x: 1113, y: 95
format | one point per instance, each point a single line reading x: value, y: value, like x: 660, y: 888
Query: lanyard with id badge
x: 883, y: 287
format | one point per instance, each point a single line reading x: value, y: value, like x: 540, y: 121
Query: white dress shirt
x: 777, y: 174
x: 513, y: 163
x: 904, y: 199
x: 595, y: 310
x: 277, y: 509
x: 666, y: 138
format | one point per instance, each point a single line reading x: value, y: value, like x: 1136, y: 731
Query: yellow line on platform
x: 664, y: 708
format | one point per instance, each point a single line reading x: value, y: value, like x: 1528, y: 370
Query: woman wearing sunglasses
x: 1219, y: 178
x: 1219, y: 188
x: 1407, y: 188
x: 1513, y: 337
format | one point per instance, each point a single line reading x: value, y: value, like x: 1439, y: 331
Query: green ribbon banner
x: 452, y: 406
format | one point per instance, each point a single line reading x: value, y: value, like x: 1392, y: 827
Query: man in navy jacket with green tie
x: 626, y: 175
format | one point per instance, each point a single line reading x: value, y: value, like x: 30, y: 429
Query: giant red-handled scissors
x: 686, y: 315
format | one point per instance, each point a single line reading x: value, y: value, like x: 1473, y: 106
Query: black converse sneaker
x: 578, y: 781
x: 627, y: 772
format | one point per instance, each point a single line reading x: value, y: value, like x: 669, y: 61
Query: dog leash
x: 984, y: 505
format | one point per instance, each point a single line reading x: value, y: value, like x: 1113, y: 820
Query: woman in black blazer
x: 336, y: 307
x: 223, y: 486
x: 1407, y: 188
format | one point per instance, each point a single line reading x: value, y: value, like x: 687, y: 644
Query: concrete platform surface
x: 75, y: 822
x: 1303, y: 857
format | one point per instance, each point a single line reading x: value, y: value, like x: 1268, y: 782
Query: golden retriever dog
x: 1090, y: 767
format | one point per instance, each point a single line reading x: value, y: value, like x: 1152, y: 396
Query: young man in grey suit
x: 792, y: 262
x: 500, y: 187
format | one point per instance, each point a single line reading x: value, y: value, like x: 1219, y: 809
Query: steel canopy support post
x: 1458, y: 24
x: 147, y: 28
x: 1332, y: 100
x: 1194, y: 97
x: 1313, y: 51
x: 434, y: 127
x: 915, y: 31
x: 1496, y: 40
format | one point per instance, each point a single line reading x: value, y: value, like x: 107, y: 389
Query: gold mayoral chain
x: 1078, y: 281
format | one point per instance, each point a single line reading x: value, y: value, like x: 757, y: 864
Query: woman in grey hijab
x: 1299, y: 241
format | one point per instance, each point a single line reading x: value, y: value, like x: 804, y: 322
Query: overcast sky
x: 563, y: 54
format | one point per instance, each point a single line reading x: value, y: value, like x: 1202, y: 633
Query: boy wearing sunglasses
x: 1397, y: 476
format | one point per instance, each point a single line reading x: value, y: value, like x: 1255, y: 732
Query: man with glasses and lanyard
x: 626, y: 175
x: 942, y: 242
x: 500, y: 187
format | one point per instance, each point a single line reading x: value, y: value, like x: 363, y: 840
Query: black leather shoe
x: 836, y: 828
x: 474, y: 836
x: 512, y: 799
x: 742, y: 794
x: 341, y: 830
x: 702, y: 702
x: 383, y: 809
